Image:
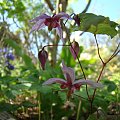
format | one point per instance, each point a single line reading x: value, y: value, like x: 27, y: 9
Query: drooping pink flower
x: 52, y: 22
x: 43, y: 56
x: 74, y: 49
x: 70, y: 82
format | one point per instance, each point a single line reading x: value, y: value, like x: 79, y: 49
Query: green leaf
x: 88, y: 19
x: 99, y: 100
x: 15, y: 46
x: 62, y: 96
x: 105, y: 29
x: 27, y: 104
x: 27, y: 60
x: 97, y: 24
x: 92, y: 117
x: 111, y: 86
x: 9, y: 94
x: 39, y: 88
x: 18, y: 87
x: 8, y: 107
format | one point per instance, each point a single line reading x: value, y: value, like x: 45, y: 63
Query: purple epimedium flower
x: 10, y: 56
x: 52, y: 22
x: 10, y: 66
x: 70, y: 81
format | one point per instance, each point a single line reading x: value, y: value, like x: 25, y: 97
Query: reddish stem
x: 98, y: 49
x: 78, y: 61
x: 99, y: 77
x: 103, y: 66
x: 54, y: 46
x: 82, y: 70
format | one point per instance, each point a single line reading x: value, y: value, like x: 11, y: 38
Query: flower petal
x: 60, y: 33
x: 61, y: 15
x: 38, y: 25
x: 43, y: 16
x: 68, y: 72
x: 89, y: 82
x: 54, y: 80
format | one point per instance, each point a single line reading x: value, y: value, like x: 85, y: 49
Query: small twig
x: 114, y: 54
x: 98, y: 49
x: 78, y: 111
x: 82, y: 70
x: 50, y: 5
x: 2, y: 37
x: 99, y: 77
x: 103, y: 66
x: 68, y: 18
x: 39, y: 105
x: 17, y: 24
x: 36, y: 42
x: 87, y: 6
x: 54, y: 45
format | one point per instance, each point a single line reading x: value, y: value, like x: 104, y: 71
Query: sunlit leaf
x: 97, y: 24
x: 111, y: 86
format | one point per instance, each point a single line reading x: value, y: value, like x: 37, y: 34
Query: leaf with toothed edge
x: 97, y: 24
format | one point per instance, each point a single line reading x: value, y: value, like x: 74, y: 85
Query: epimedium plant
x: 86, y: 22
x: 27, y: 86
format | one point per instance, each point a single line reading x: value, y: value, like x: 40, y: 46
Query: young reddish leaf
x: 74, y: 49
x: 43, y: 56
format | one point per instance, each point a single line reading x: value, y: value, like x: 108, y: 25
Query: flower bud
x: 77, y: 19
x: 43, y: 56
x: 74, y: 49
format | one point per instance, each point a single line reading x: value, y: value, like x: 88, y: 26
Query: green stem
x: 78, y: 111
x: 39, y: 105
x: 51, y: 112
